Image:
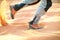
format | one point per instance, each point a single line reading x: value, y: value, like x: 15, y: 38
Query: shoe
x: 34, y: 26
x: 13, y: 11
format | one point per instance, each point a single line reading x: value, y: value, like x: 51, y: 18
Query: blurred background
x: 56, y: 1
x: 16, y: 30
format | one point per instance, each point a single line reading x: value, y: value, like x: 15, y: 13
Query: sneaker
x: 13, y: 11
x: 34, y: 26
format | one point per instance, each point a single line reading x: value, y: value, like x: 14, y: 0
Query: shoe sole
x: 30, y: 27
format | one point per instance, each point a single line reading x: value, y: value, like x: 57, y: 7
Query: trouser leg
x: 44, y: 6
x: 16, y: 7
x: 23, y: 3
x: 19, y: 6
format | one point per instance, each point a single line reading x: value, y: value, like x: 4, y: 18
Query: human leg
x: 44, y: 6
x: 18, y: 6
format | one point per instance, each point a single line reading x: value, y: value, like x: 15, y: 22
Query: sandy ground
x: 17, y: 28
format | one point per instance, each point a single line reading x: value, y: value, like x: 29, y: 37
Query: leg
x: 44, y: 6
x: 16, y: 7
